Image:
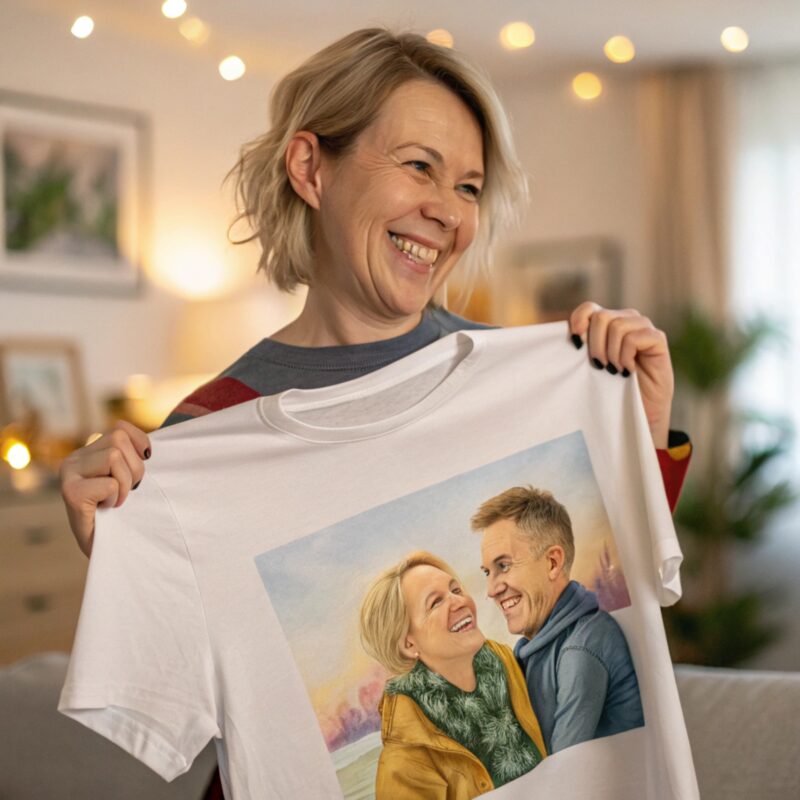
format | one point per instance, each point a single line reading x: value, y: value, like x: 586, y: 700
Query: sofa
x: 744, y: 728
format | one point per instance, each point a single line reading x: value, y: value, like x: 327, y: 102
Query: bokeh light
x: 734, y: 39
x: 82, y: 27
x: 619, y: 49
x: 195, y: 30
x: 231, y: 68
x: 441, y: 37
x: 172, y: 9
x: 587, y: 86
x: 517, y: 35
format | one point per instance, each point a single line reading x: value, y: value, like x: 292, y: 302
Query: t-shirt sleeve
x: 141, y: 670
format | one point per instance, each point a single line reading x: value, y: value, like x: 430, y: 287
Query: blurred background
x: 662, y: 140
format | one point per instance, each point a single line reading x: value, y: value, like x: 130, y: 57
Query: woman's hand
x: 101, y: 474
x: 624, y: 342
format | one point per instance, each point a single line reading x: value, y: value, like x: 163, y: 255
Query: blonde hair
x: 537, y: 514
x: 384, y: 620
x: 336, y: 94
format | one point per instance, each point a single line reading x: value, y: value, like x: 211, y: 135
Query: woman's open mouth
x: 465, y: 624
x: 415, y: 252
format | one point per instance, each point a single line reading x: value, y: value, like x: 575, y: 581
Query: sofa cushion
x: 47, y: 756
x: 744, y: 728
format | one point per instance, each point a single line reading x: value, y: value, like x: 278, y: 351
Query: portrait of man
x: 575, y: 657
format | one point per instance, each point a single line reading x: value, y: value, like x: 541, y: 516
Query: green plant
x: 729, y: 499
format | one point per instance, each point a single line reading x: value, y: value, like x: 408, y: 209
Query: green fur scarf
x: 483, y: 721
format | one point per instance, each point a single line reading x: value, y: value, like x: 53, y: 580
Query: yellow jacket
x: 419, y: 762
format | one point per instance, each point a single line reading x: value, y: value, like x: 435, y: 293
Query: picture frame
x: 544, y: 281
x: 72, y: 183
x: 42, y: 388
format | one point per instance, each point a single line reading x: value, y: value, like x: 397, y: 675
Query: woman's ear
x: 303, y: 161
x: 409, y: 648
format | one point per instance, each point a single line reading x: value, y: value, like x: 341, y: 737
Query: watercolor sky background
x: 316, y: 584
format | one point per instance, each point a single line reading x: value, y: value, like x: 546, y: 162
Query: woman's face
x: 443, y: 620
x: 411, y: 181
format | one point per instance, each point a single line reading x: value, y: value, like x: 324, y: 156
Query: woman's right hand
x: 102, y: 474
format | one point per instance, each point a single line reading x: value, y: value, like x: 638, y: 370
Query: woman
x: 388, y: 159
x: 378, y: 143
x: 456, y: 720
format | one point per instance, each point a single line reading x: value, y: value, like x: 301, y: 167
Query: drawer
x: 33, y: 621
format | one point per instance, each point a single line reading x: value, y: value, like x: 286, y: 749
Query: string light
x: 734, y: 39
x: 619, y: 49
x: 231, y: 68
x: 517, y: 35
x: 82, y: 27
x: 587, y: 86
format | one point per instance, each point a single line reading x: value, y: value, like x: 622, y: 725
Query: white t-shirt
x: 222, y: 599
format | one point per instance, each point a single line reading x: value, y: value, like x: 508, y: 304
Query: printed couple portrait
x: 426, y: 704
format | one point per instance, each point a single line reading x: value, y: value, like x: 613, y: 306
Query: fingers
x: 102, y: 475
x: 616, y: 337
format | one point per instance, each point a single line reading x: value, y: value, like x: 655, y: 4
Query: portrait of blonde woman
x: 456, y: 720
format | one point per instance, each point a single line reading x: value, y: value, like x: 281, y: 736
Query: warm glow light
x: 138, y: 386
x: 195, y: 30
x: 82, y: 27
x: 619, y: 49
x: 192, y: 266
x: 734, y: 39
x: 517, y: 35
x: 231, y: 68
x: 91, y: 438
x: 587, y: 86
x: 441, y: 37
x: 172, y: 9
x: 17, y: 455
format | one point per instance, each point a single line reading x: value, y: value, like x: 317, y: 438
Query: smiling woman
x: 456, y: 720
x: 388, y: 163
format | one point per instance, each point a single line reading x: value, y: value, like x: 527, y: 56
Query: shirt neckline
x: 279, y: 411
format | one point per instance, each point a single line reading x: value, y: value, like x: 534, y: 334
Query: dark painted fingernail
x: 626, y: 373
x: 597, y: 363
x: 577, y: 341
x: 612, y: 369
x: 136, y: 485
x: 147, y: 453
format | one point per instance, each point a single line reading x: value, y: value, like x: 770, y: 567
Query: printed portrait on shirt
x: 432, y: 630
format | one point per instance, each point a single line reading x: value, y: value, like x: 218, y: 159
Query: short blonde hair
x: 336, y: 94
x: 537, y: 514
x: 384, y: 620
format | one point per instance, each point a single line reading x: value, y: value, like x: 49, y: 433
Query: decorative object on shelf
x: 547, y: 280
x: 42, y: 392
x: 733, y: 492
x: 71, y: 179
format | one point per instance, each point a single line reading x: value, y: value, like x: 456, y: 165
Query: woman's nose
x: 442, y: 207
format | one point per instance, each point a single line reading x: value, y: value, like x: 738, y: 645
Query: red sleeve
x: 674, y: 462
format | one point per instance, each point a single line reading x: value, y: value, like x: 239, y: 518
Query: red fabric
x: 214, y: 791
x: 215, y: 395
x: 673, y: 472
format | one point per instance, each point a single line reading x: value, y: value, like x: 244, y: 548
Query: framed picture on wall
x: 545, y: 281
x: 42, y: 388
x: 71, y: 182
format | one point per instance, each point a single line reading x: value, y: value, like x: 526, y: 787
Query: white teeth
x: 461, y: 624
x: 419, y: 253
x: 506, y: 604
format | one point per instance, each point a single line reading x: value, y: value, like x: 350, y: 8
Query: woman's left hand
x: 624, y: 342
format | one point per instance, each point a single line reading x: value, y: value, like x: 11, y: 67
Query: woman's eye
x: 436, y: 602
x: 473, y: 191
x: 419, y: 166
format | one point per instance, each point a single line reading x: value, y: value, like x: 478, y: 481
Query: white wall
x: 198, y: 121
x: 584, y: 160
